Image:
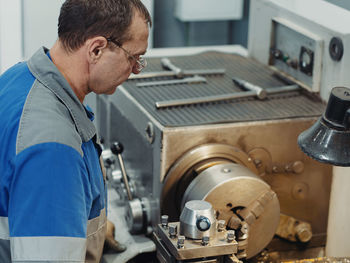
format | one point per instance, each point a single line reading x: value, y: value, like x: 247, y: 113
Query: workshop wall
x: 171, y: 32
x: 24, y: 27
x: 39, y: 29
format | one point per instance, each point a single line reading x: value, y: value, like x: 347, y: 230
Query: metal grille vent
x: 278, y: 106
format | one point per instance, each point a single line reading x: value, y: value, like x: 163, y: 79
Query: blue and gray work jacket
x: 52, y: 189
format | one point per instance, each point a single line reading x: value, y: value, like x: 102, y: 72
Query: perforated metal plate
x: 278, y: 106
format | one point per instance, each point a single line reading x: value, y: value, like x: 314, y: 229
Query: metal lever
x: 173, y: 71
x: 117, y: 148
x: 260, y: 92
x: 189, y: 80
x: 222, y: 97
x: 190, y: 72
x: 168, y: 65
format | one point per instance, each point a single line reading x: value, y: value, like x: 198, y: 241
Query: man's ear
x: 95, y: 46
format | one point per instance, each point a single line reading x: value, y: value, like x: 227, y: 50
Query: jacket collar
x: 47, y: 73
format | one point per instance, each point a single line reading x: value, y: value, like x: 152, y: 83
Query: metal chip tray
x: 292, y: 104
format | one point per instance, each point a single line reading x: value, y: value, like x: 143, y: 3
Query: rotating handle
x: 117, y: 148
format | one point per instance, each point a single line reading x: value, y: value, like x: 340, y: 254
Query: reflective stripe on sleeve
x: 4, y: 228
x: 70, y: 249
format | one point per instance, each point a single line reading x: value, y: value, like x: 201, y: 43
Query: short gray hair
x: 80, y: 20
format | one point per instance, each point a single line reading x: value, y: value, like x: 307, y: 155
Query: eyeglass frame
x: 141, y: 61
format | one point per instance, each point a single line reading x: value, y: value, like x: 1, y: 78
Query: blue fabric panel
x: 49, y: 189
x: 15, y: 85
x: 52, y: 194
x: 89, y: 112
x: 98, y: 189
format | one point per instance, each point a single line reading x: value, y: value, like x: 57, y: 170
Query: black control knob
x: 338, y: 108
x: 117, y: 148
x: 328, y: 139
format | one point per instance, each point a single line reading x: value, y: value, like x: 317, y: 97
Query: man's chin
x: 111, y: 91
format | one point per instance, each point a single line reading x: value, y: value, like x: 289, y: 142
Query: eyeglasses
x: 141, y: 62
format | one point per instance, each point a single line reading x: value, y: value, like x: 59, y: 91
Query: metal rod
x: 190, y: 101
x: 260, y: 92
x: 192, y: 72
x: 189, y: 80
x: 282, y: 89
x: 125, y: 178
x: 222, y: 97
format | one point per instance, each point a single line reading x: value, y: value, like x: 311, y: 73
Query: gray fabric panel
x: 5, y: 254
x: 50, y: 249
x: 4, y: 228
x: 46, y: 119
x: 46, y: 73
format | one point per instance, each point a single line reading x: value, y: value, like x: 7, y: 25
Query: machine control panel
x: 296, y: 53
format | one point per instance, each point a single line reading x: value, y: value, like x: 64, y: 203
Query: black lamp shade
x: 328, y: 140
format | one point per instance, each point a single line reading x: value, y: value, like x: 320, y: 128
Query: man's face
x: 116, y: 64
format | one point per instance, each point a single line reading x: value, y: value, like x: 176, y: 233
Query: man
x: 52, y: 189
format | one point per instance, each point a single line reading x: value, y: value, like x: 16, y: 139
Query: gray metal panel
x: 279, y: 106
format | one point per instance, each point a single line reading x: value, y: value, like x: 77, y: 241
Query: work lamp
x: 328, y: 140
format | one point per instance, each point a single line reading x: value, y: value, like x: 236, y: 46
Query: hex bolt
x: 303, y: 232
x: 221, y: 225
x: 295, y: 167
x: 164, y: 220
x: 205, y: 240
x: 172, y: 231
x: 181, y: 241
x: 230, y: 236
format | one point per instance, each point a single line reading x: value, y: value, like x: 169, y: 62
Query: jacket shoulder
x: 46, y: 119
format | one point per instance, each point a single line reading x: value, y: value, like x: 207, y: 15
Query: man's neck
x: 73, y: 67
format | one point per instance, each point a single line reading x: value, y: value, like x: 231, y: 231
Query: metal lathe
x: 202, y: 148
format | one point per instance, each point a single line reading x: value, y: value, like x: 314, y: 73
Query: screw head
x: 230, y: 235
x: 221, y: 225
x: 164, y: 220
x: 172, y: 231
x: 205, y: 240
x: 180, y: 241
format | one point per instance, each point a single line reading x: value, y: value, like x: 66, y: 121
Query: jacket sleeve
x: 50, y: 200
